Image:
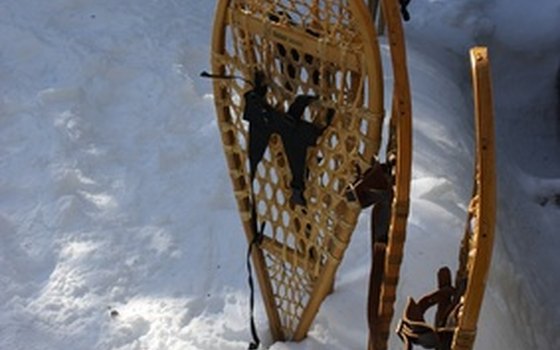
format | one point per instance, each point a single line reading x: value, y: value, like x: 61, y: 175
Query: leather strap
x: 373, y: 188
x: 413, y: 328
x: 378, y: 251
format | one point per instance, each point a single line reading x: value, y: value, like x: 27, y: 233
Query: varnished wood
x: 475, y: 252
x: 480, y: 245
x: 399, y: 148
x: 340, y: 64
x: 218, y: 48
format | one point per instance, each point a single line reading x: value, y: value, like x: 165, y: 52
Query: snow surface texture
x: 118, y: 228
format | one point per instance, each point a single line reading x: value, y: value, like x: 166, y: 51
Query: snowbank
x: 118, y: 229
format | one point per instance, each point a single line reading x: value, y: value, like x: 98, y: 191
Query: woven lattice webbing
x: 323, y: 48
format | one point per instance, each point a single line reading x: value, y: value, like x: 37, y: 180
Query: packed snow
x: 118, y: 227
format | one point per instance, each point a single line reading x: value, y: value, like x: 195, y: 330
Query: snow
x: 118, y: 228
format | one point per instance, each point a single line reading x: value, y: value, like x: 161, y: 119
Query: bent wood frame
x: 360, y: 100
x: 400, y: 151
x: 476, y: 250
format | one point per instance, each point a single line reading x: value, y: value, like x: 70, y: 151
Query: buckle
x: 350, y: 192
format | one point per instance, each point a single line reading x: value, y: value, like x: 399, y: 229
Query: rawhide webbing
x: 297, y: 136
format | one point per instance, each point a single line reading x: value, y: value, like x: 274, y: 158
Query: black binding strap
x: 297, y: 134
x: 257, y: 239
x: 257, y: 233
x: 205, y: 74
x: 404, y: 10
x: 256, y: 340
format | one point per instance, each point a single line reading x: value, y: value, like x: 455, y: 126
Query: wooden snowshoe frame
x: 458, y: 311
x: 323, y: 48
x: 399, y: 154
x: 476, y: 248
